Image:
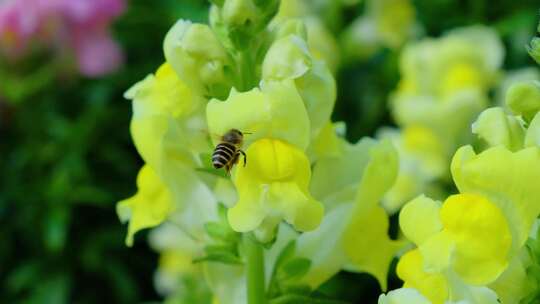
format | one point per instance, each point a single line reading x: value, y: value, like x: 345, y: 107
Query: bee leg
x: 244, y: 155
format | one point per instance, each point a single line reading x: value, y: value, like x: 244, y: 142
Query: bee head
x: 233, y: 136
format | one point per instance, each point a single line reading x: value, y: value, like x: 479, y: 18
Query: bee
x: 228, y: 151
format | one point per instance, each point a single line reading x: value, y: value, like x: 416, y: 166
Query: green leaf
x: 220, y: 233
x: 294, y: 268
x: 23, y: 277
x: 533, y: 273
x: 54, y: 289
x: 285, y: 254
x: 297, y: 289
x: 222, y: 257
x: 533, y: 298
x: 218, y: 2
x: 231, y: 248
x: 55, y: 231
x: 222, y: 213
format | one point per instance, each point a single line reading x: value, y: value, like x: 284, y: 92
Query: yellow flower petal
x: 149, y: 207
x: 274, y: 111
x: 437, y: 252
x: 338, y: 177
x: 513, y: 284
x: 497, y: 128
x: 326, y: 144
x: 365, y: 240
x: 289, y: 59
x: 367, y: 244
x: 167, y: 120
x: 274, y: 184
x: 532, y: 137
x: 481, y: 235
x: 524, y: 98
x: 403, y: 296
x: 432, y: 285
x: 507, y: 179
x: 419, y: 219
x: 354, y: 239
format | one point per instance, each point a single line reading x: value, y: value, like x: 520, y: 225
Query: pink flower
x: 18, y: 23
x: 80, y: 26
x: 97, y: 54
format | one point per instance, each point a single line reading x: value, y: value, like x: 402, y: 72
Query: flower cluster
x: 473, y: 248
x: 445, y: 77
x: 316, y: 203
x: 257, y: 68
x: 78, y: 26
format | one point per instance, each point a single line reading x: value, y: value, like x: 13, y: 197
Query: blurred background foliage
x: 66, y: 156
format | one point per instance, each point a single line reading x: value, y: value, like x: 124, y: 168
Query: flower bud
x: 497, y: 128
x: 524, y: 98
x: 289, y: 58
x: 240, y: 12
x: 239, y: 21
x: 196, y: 55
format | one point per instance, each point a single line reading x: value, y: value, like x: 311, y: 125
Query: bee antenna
x: 247, y: 133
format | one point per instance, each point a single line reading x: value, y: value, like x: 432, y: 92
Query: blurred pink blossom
x: 76, y: 27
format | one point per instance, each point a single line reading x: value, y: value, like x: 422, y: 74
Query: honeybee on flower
x: 228, y: 151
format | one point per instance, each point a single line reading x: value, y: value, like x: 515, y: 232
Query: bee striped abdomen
x: 223, y: 154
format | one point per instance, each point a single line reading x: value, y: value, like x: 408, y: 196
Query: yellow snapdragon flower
x: 456, y: 71
x: 444, y: 77
x: 274, y: 184
x: 167, y: 129
x: 164, y: 110
x: 475, y: 237
x: 505, y: 178
x: 355, y: 228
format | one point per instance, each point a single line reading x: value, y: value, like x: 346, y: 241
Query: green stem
x: 246, y: 71
x: 255, y: 270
